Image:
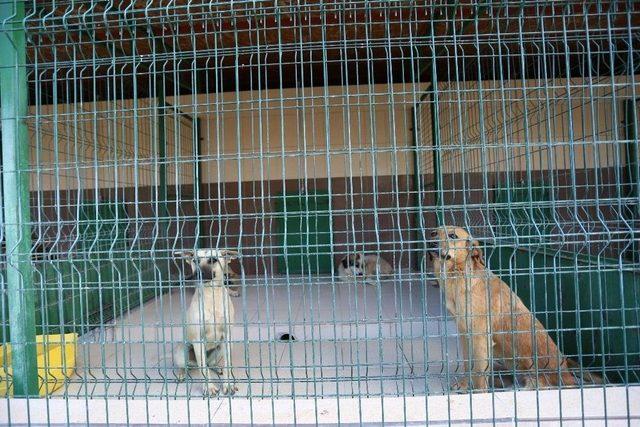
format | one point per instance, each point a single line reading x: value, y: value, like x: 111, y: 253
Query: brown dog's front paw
x: 461, y: 385
x: 475, y: 386
x: 181, y: 374
x: 480, y: 384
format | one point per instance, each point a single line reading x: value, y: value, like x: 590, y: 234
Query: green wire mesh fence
x: 297, y: 133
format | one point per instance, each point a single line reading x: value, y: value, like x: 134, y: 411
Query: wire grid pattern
x: 99, y: 151
x: 300, y: 132
x: 557, y: 135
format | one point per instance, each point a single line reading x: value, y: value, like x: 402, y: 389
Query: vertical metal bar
x: 15, y: 164
x: 631, y: 166
x: 418, y: 231
x: 435, y: 133
x: 161, y: 105
x: 197, y: 179
x: 631, y: 135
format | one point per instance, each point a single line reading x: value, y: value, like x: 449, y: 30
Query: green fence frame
x: 15, y: 164
x: 73, y: 308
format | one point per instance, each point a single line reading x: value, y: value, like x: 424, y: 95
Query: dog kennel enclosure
x: 297, y: 132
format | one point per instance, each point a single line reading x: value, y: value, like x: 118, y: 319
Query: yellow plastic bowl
x: 56, y: 363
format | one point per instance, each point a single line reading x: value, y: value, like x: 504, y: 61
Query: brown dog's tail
x: 588, y: 377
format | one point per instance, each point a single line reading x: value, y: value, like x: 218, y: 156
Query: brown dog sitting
x: 492, y: 321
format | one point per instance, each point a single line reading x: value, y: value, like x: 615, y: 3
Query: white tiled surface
x: 351, y: 340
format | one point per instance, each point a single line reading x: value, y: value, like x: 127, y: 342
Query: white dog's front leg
x: 200, y: 351
x: 227, y: 386
x: 180, y: 361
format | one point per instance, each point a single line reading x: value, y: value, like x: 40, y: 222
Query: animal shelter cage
x: 297, y: 133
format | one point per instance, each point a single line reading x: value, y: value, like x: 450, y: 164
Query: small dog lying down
x: 493, y: 323
x: 231, y: 278
x: 208, y: 330
x: 359, y: 266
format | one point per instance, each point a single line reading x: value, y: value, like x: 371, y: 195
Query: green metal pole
x: 417, y: 200
x: 15, y: 164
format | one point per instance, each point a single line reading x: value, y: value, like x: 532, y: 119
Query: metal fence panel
x: 298, y: 133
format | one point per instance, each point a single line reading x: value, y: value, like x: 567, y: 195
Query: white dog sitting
x: 208, y: 331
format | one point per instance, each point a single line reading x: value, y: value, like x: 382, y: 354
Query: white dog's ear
x: 227, y: 253
x: 207, y: 253
x: 476, y: 253
x: 184, y: 254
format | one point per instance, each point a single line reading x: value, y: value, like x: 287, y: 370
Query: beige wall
x: 105, y: 145
x: 294, y: 133
x: 244, y: 137
x: 337, y: 131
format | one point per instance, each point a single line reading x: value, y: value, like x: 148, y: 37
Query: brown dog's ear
x: 476, y: 253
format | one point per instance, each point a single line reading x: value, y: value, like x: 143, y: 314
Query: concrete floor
x: 350, y: 340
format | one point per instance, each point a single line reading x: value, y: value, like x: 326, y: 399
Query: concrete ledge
x: 618, y: 405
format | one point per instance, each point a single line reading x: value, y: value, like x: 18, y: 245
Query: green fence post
x: 418, y: 235
x: 15, y: 164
